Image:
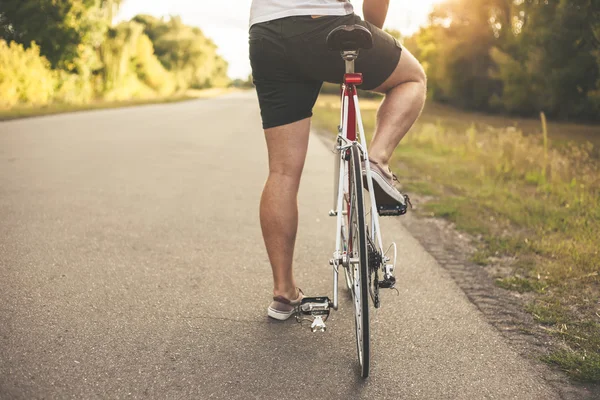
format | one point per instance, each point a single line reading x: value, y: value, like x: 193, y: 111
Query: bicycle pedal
x: 316, y: 310
x: 318, y: 325
x: 315, y: 306
x: 391, y: 210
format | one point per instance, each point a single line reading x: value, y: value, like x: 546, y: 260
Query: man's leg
x: 287, y: 146
x: 405, y: 92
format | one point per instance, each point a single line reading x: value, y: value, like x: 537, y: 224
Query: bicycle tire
x: 359, y: 252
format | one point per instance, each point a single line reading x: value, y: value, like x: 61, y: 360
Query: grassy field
x: 559, y: 132
x: 25, y: 112
x: 531, y: 200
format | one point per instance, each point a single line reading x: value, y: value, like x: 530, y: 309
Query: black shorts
x: 290, y: 61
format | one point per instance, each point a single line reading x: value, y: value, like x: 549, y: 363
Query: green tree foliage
x: 25, y: 76
x: 130, y: 67
x: 244, y: 83
x: 118, y: 52
x: 68, y: 51
x: 552, y: 57
x: 186, y: 51
x: 148, y: 68
x: 65, y: 30
x: 520, y: 56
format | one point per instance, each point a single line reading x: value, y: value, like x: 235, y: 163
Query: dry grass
x: 26, y: 112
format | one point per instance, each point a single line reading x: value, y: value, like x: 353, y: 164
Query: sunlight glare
x: 407, y: 16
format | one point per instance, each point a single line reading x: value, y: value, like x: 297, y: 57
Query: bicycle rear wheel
x: 358, y: 255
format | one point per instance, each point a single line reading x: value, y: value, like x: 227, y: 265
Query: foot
x: 282, y: 308
x: 384, y: 187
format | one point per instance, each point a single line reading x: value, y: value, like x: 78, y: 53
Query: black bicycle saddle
x: 349, y: 37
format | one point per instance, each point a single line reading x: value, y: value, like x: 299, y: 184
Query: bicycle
x: 359, y: 246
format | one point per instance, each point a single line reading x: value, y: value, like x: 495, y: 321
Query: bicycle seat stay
x: 349, y: 38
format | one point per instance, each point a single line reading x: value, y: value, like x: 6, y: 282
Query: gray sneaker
x: 386, y: 194
x: 282, y: 308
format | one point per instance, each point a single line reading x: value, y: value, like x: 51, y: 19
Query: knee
x: 418, y: 78
x: 409, y: 72
x: 415, y: 72
x: 285, y: 177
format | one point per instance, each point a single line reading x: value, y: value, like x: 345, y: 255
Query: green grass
x: 423, y: 187
x: 480, y: 257
x: 529, y: 196
x: 581, y: 367
x: 521, y: 284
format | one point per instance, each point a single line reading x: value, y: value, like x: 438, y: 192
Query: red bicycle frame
x: 349, y: 90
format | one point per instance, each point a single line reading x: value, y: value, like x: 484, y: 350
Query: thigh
x: 408, y: 69
x: 378, y: 63
x: 287, y: 146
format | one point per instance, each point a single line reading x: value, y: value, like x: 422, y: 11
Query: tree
x: 65, y: 30
x: 456, y: 48
x: 520, y: 56
x: 185, y: 51
x: 552, y: 59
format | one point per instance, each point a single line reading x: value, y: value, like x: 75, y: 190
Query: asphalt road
x: 132, y: 266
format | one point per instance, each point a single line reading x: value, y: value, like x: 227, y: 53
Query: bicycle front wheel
x: 357, y: 252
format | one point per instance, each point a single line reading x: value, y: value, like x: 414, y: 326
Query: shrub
x: 149, y: 70
x: 72, y: 88
x: 25, y: 76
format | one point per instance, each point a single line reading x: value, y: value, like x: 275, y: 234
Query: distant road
x: 132, y: 266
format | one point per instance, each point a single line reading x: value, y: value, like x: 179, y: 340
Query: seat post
x: 349, y: 56
x: 350, y: 66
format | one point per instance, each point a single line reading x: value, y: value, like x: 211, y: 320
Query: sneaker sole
x: 384, y: 194
x: 279, y: 315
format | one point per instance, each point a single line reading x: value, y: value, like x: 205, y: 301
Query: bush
x: 131, y: 70
x: 72, y: 88
x: 25, y: 76
x: 120, y: 64
x: 149, y: 70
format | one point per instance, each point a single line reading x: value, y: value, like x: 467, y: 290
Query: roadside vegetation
x: 69, y: 55
x: 532, y: 206
x: 517, y: 57
x: 527, y: 191
x: 59, y: 108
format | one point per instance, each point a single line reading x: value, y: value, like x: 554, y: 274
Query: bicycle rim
x: 357, y: 246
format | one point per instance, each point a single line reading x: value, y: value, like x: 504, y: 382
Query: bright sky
x: 226, y: 21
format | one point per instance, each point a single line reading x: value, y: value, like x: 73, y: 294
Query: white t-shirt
x: 268, y: 10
